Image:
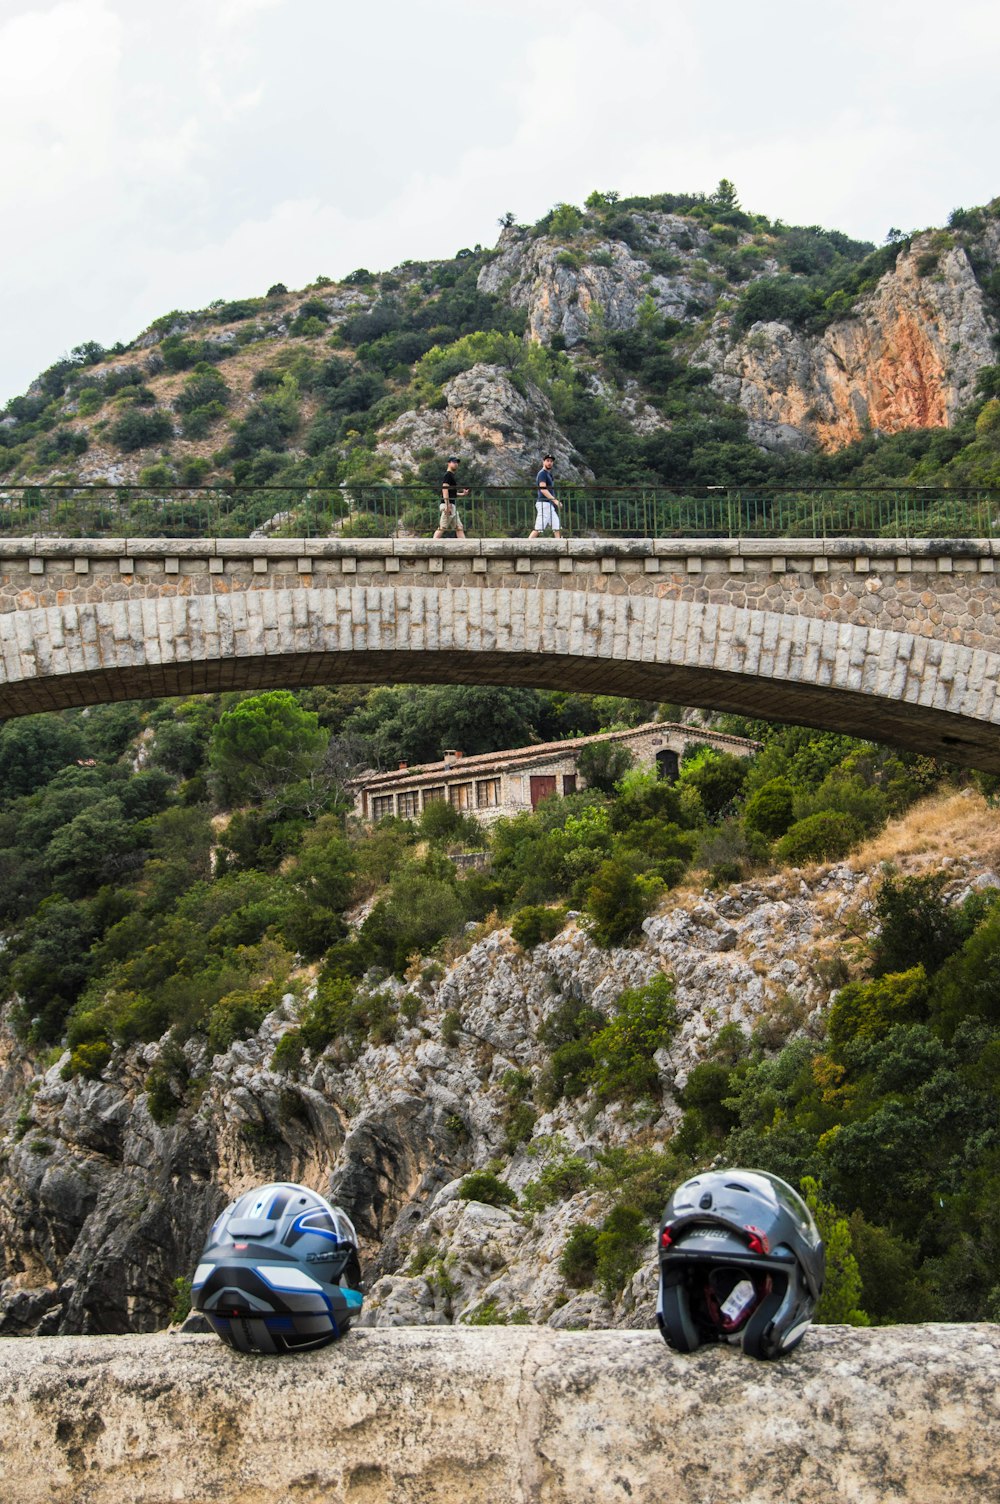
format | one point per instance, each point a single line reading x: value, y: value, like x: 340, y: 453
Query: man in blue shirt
x: 547, y: 504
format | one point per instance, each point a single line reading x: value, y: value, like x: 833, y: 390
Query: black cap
x: 452, y: 460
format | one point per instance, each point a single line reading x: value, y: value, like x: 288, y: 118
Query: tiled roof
x: 482, y: 763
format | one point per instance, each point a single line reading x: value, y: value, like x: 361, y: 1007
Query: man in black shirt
x: 450, y: 521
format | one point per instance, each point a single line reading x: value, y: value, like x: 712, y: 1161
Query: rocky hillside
x: 103, y: 1206
x: 673, y: 339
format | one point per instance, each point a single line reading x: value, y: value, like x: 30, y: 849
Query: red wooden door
x: 542, y: 785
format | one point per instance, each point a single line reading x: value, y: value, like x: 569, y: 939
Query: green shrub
x: 825, y: 837
x: 531, y: 925
x: 238, y: 1015
x: 560, y: 1179
x: 718, y: 778
x: 841, y: 1298
x: 138, y: 430
x: 89, y: 401
x: 451, y: 1028
x: 602, y: 764
x: 486, y: 1314
x: 199, y: 421
x: 578, y: 1260
x: 770, y: 810
x: 568, y: 1073
x: 728, y: 852
x: 868, y: 1010
x: 623, y: 1236
x: 87, y: 1060
x: 288, y: 1052
x: 206, y: 385
x: 519, y: 1115
x: 617, y: 902
x: 181, y: 1307
x: 916, y: 923
x: 164, y: 1095
x: 483, y: 1185
x: 419, y: 910
x: 704, y: 1097
x: 645, y: 1020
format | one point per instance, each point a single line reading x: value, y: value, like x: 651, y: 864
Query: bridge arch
x: 915, y: 691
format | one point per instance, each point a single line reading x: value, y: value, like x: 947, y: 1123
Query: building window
x: 382, y: 805
x: 434, y: 795
x: 569, y: 784
x: 460, y: 795
x: 409, y: 805
x: 487, y: 793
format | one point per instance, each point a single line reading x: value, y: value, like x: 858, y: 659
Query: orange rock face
x: 907, y: 358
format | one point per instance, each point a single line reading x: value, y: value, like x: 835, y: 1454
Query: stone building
x: 494, y: 784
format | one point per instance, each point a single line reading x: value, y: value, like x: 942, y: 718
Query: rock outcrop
x: 564, y: 290
x: 523, y: 1416
x: 906, y: 358
x: 505, y: 428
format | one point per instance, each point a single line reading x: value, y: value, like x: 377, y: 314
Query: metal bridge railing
x: 92, y: 511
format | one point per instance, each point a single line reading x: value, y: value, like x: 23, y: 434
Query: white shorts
x: 449, y: 521
x: 546, y: 515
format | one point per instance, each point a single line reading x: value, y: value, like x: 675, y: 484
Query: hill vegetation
x: 171, y: 869
x: 299, y: 388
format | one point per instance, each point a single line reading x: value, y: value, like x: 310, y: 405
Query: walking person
x: 449, y: 520
x: 547, y: 503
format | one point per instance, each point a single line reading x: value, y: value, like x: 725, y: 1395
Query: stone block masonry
x: 897, y: 640
x: 520, y: 1415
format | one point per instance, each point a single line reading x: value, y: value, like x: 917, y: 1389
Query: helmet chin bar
x: 685, y: 1319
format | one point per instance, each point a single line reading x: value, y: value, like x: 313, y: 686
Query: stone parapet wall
x: 944, y: 589
x: 519, y: 1415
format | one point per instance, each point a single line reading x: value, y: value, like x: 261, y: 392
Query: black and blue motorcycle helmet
x: 741, y: 1262
x: 279, y: 1271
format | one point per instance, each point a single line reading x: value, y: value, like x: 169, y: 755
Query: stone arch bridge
x: 893, y: 639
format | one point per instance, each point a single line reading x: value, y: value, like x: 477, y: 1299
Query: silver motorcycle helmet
x: 741, y: 1261
x: 279, y: 1271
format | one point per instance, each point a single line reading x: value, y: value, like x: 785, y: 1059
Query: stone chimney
x: 403, y: 767
x: 451, y: 755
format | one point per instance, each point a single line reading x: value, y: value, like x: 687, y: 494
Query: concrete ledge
x: 519, y: 1415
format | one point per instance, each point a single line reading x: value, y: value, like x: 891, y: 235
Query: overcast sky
x: 159, y: 156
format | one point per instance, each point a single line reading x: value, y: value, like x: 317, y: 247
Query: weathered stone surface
x: 907, y: 358
x: 489, y: 420
x: 523, y: 1416
x: 562, y: 291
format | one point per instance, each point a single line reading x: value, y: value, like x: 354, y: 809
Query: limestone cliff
x: 906, y: 358
x: 336, y: 383
x: 506, y: 428
x: 101, y: 1207
x: 565, y: 290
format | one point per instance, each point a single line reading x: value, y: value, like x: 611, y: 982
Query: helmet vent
x: 706, y: 1201
x: 734, y: 1185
